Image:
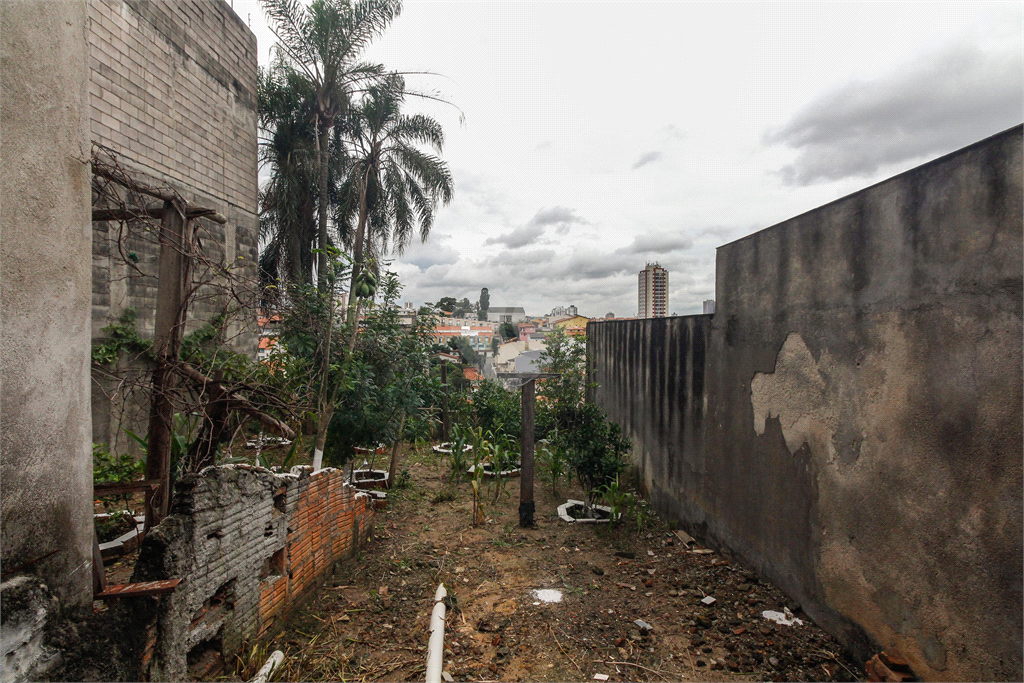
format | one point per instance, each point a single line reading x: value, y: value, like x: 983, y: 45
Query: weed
x: 458, y: 455
x: 617, y: 499
x: 404, y: 480
x: 249, y: 661
x: 445, y: 495
x: 554, y: 465
x: 641, y: 513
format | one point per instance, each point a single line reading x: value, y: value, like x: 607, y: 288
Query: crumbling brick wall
x: 249, y: 545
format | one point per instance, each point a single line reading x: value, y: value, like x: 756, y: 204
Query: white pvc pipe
x: 435, y: 650
x: 263, y: 675
x: 318, y: 459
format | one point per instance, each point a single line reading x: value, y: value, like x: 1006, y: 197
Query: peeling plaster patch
x: 796, y: 394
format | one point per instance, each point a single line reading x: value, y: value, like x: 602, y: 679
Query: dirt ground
x: 370, y: 623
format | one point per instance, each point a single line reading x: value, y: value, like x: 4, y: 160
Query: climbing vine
x: 121, y: 336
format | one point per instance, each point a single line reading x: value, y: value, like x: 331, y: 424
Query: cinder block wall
x: 249, y: 545
x: 858, y: 434
x: 172, y: 88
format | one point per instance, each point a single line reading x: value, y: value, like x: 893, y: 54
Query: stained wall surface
x: 172, y: 87
x: 861, y: 432
x: 45, y: 232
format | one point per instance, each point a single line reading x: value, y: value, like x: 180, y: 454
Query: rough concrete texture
x: 172, y: 88
x: 26, y: 605
x: 250, y: 546
x: 45, y: 236
x: 861, y: 440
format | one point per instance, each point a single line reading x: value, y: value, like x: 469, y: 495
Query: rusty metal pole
x: 526, y: 504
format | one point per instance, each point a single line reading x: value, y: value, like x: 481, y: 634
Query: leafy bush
x: 108, y: 468
x: 497, y: 410
x: 595, y: 448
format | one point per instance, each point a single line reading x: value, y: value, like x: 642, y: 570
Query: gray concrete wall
x: 45, y: 287
x: 861, y: 439
x: 172, y: 88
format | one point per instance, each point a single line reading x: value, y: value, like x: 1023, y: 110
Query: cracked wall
x: 860, y: 440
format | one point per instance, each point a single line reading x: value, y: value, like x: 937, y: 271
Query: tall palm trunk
x: 321, y: 148
x: 357, y: 249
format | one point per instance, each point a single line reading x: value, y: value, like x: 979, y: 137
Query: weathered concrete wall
x: 45, y: 234
x: 861, y: 442
x: 172, y: 87
x: 650, y: 379
x: 250, y: 546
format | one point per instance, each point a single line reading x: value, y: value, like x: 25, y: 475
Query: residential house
x: 478, y: 336
x: 505, y: 358
x: 526, y: 329
x: 575, y: 326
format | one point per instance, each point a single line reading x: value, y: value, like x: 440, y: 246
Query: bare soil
x: 370, y: 622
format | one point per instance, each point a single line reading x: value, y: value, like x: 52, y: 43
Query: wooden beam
x: 170, y: 320
x: 526, y: 504
x: 444, y: 401
x: 120, y: 489
x: 99, y: 577
x: 137, y: 590
x: 156, y: 211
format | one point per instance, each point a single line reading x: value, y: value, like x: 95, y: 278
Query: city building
x: 709, y: 305
x: 575, y: 326
x: 506, y: 314
x: 559, y: 311
x: 478, y: 336
x: 505, y: 358
x: 652, y: 292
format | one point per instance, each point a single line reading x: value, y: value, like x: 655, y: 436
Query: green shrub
x: 595, y: 448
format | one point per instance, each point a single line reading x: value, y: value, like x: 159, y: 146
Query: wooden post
x: 526, y: 504
x: 444, y: 401
x: 170, y: 315
x: 99, y: 577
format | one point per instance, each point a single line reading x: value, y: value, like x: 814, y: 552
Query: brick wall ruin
x: 249, y: 545
x: 172, y: 89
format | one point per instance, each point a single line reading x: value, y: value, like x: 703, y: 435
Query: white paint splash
x: 548, y: 595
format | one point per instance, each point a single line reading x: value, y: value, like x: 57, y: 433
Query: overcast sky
x: 598, y: 136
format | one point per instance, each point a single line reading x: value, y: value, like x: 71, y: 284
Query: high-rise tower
x: 652, y: 292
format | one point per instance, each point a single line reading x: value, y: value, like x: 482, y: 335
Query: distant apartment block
x: 709, y: 306
x: 652, y: 292
x: 561, y: 311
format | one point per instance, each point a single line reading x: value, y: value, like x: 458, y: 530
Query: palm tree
x: 323, y: 43
x: 288, y: 229
x: 396, y: 184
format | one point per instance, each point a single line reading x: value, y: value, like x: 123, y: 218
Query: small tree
x: 595, y: 448
x: 484, y: 304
